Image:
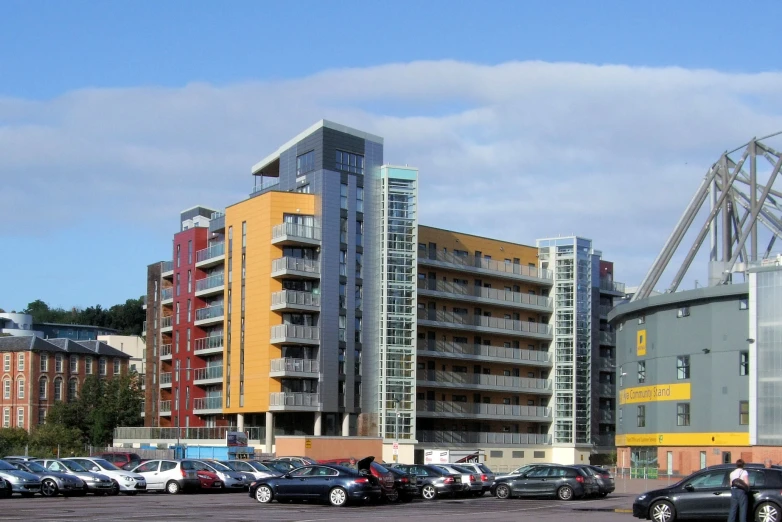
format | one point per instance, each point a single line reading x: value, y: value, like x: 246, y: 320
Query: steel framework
x: 738, y: 203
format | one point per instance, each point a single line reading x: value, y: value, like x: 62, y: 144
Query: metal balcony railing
x: 265, y: 185
x: 494, y: 294
x: 165, y: 378
x: 166, y: 266
x: 166, y: 293
x: 208, y: 403
x: 297, y: 264
x: 478, y: 409
x: 294, y: 399
x: 611, y: 286
x: 166, y: 322
x: 481, y: 437
x: 165, y: 349
x: 165, y: 406
x: 500, y: 323
x: 485, y: 264
x: 209, y: 312
x: 608, y: 338
x: 211, y: 433
x: 287, y: 364
x: 296, y: 230
x: 477, y: 379
x: 210, y: 372
x: 295, y: 297
x: 519, y: 354
x: 216, y: 250
x: 208, y: 343
x: 280, y: 331
x: 213, y: 281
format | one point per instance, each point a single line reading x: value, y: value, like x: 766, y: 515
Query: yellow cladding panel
x: 656, y: 393
x: 261, y: 214
x: 498, y: 250
x: 683, y: 439
x: 640, y: 346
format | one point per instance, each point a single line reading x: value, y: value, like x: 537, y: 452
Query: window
x: 6, y: 417
x: 189, y: 281
x: 683, y: 414
x: 641, y: 371
x: 41, y: 415
x: 343, y: 230
x: 359, y: 233
x: 359, y: 199
x: 102, y: 366
x: 44, y: 362
x: 20, y: 417
x: 743, y: 304
x: 343, y: 196
x: 359, y: 264
x: 343, y: 322
x: 7, y: 389
x: 42, y: 388
x: 73, y: 388
x: 359, y: 296
x: 190, y: 253
x: 178, y: 257
x: 177, y: 313
x: 20, y: 362
x: 343, y: 298
x: 358, y: 330
x: 743, y: 363
x: 74, y: 363
x: 7, y: 362
x: 744, y: 413
x: 708, y: 480
x: 116, y: 368
x: 350, y: 162
x: 642, y: 319
x: 189, y: 310
x: 343, y: 256
x: 305, y: 162
x: 88, y: 365
x: 684, y: 311
x: 683, y: 367
x: 20, y: 391
x: 58, y: 389
x: 58, y: 363
x: 178, y: 281
x: 641, y: 416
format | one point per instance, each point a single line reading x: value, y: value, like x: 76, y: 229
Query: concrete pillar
x: 240, y: 422
x: 346, y: 424
x: 318, y: 418
x: 269, y: 431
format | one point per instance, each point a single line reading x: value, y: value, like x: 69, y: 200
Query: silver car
x: 483, y: 472
x: 96, y: 483
x: 52, y: 483
x: 26, y: 484
x: 235, y: 480
x: 250, y: 467
x: 471, y: 482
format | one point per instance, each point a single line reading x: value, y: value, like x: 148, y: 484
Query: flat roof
x: 477, y: 236
x: 708, y: 293
x: 321, y: 124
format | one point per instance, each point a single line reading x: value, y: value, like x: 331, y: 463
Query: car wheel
x: 565, y: 493
x: 503, y: 491
x: 264, y: 494
x: 662, y: 511
x: 114, y: 488
x: 338, y: 497
x: 48, y: 488
x: 392, y: 496
x: 172, y: 487
x: 767, y: 512
x: 429, y: 492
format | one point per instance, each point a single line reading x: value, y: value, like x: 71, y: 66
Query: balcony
x: 165, y: 380
x: 607, y: 338
x: 606, y: 416
x: 183, y: 433
x: 165, y: 352
x: 294, y: 267
x: 166, y: 324
x: 489, y: 267
x: 209, y: 315
x: 293, y: 300
x: 607, y: 286
x: 265, y: 186
x: 217, y: 222
x: 606, y: 364
x: 208, y: 345
x: 295, y: 334
x: 164, y: 408
x: 294, y: 234
x: 291, y: 401
x: 211, y: 256
x: 604, y: 389
x: 208, y: 375
x: 479, y: 352
x: 482, y: 437
x: 288, y: 367
x: 208, y: 405
x: 444, y: 379
x: 214, y: 284
x: 606, y: 440
x: 167, y: 269
x: 479, y: 294
x: 167, y: 295
x: 467, y: 410
x: 480, y: 323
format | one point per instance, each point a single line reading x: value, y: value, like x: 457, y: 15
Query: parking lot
x: 240, y: 507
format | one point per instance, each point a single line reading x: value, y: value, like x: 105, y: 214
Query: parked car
x: 172, y: 476
x: 5, y: 488
x: 471, y: 484
x: 232, y: 480
x: 299, y: 461
x: 385, y: 478
x: 336, y: 484
x: 486, y: 475
x: 96, y: 483
x: 283, y: 466
x: 22, y: 482
x: 405, y: 484
x: 433, y: 482
x: 605, y: 480
x: 52, y: 483
x: 520, y: 471
x: 125, y: 482
x: 706, y: 494
x: 249, y: 467
x: 122, y: 460
x: 564, y: 482
x: 19, y: 457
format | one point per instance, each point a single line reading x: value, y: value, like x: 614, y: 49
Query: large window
x: 20, y: 362
x: 58, y: 389
x: 641, y: 416
x: 683, y: 414
x: 744, y: 413
x: 74, y: 363
x: 343, y: 269
x: 43, y: 388
x: 20, y: 417
x: 350, y: 162
x: 343, y: 230
x: 343, y: 298
x: 744, y: 363
x: 44, y: 362
x: 116, y: 368
x: 7, y: 389
x: 360, y: 199
x: 6, y: 417
x: 683, y: 367
x: 343, y: 196
x: 305, y: 163
x: 641, y: 372
x: 20, y: 391
x: 7, y: 362
x: 88, y: 365
x: 58, y: 363
x: 359, y: 264
x: 343, y: 323
x: 359, y: 233
x: 102, y: 366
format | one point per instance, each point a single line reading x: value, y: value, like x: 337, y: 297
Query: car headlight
x: 127, y: 478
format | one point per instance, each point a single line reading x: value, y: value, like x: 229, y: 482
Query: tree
x: 52, y: 437
x: 12, y: 440
x: 128, y: 317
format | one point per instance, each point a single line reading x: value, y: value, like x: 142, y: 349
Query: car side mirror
x: 689, y: 487
x: 95, y: 468
x: 287, y: 475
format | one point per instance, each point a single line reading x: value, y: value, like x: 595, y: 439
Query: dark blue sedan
x: 318, y: 482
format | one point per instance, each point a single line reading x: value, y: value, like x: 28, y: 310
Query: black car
x: 605, y: 480
x: 706, y: 494
x: 563, y: 482
x: 405, y: 484
x: 336, y: 484
x: 432, y: 481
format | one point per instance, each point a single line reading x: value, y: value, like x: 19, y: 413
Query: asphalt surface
x: 240, y: 507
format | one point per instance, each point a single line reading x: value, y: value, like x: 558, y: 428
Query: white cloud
x: 517, y: 150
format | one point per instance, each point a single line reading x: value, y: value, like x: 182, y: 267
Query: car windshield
x: 229, y: 465
x: 105, y: 464
x: 257, y: 466
x: 69, y: 464
x: 6, y: 466
x: 484, y: 468
x: 219, y: 466
x: 35, y: 467
x: 379, y: 468
x: 279, y: 466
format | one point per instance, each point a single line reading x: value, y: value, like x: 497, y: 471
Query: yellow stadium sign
x: 656, y: 393
x: 683, y: 439
x: 640, y: 345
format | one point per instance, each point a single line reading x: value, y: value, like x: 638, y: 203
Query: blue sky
x: 102, y: 101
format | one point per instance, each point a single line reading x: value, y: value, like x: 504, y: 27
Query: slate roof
x: 70, y: 346
x: 102, y: 348
x: 27, y: 343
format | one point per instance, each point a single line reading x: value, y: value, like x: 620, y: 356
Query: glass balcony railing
x: 294, y: 230
x: 287, y: 364
x: 210, y: 372
x: 265, y: 185
x: 477, y: 409
x: 608, y: 338
x: 466, y: 320
x: 502, y: 296
x: 506, y: 382
x: 166, y: 293
x: 165, y: 407
x: 211, y: 433
x: 482, y: 437
x: 296, y: 264
x: 208, y: 343
x: 165, y: 378
x: 208, y: 403
x: 283, y: 331
x: 216, y: 250
x: 213, y: 281
x: 294, y: 297
x: 166, y: 266
x: 611, y: 286
x: 282, y: 399
x: 209, y: 312
x: 481, y: 350
x: 470, y: 262
x: 166, y: 322
x: 165, y: 350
